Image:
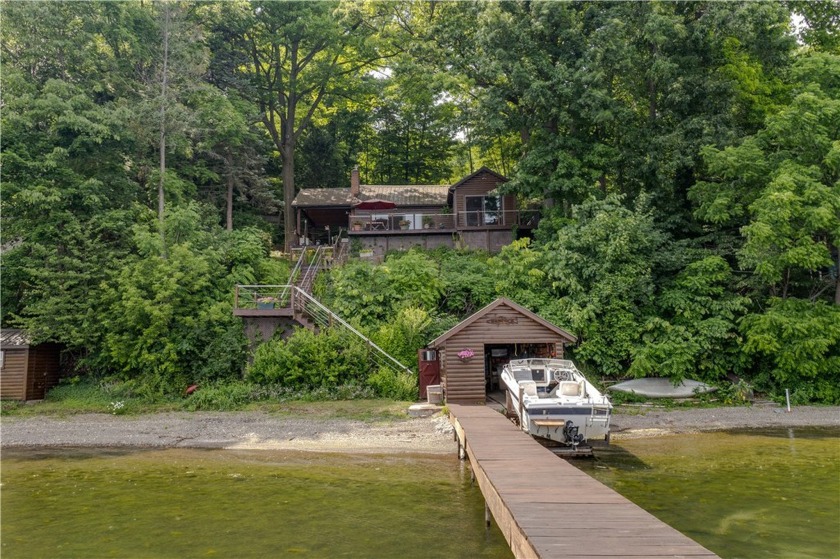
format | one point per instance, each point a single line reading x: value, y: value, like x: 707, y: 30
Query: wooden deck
x: 547, y: 508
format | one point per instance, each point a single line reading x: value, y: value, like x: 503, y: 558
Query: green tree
x: 694, y: 333
x: 291, y: 58
x: 781, y: 187
x: 605, y: 266
x: 797, y: 343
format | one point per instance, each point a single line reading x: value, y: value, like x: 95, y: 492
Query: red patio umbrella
x: 375, y: 204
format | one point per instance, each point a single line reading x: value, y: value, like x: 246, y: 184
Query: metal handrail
x: 295, y: 271
x: 304, y: 303
x: 310, y: 299
x: 312, y: 269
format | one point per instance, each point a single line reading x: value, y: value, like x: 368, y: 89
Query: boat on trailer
x: 555, y: 403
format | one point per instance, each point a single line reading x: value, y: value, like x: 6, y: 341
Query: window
x: 483, y: 210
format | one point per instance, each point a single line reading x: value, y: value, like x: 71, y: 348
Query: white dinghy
x: 555, y: 402
x: 662, y: 388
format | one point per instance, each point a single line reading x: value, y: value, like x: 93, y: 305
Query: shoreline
x: 429, y: 435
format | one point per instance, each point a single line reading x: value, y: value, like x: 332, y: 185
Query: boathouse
x: 472, y: 353
x: 27, y: 371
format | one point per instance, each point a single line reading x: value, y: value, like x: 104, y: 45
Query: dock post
x: 486, y: 515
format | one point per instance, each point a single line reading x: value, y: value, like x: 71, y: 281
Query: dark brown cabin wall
x: 465, y: 379
x: 480, y: 186
x: 43, y: 370
x: 13, y: 375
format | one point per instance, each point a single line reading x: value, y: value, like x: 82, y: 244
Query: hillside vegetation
x: 686, y: 157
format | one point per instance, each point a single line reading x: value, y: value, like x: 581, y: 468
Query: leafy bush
x: 308, y: 360
x: 408, y: 332
x: 398, y: 385
x: 694, y: 334
x: 413, y: 280
x: 169, y: 320
x: 358, y: 292
x: 220, y: 397
x: 798, y: 343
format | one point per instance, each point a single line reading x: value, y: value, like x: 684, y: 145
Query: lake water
x: 742, y: 494
x: 194, y: 503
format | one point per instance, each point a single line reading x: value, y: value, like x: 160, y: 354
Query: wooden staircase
x: 269, y: 306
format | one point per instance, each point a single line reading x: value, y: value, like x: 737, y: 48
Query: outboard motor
x: 570, y: 431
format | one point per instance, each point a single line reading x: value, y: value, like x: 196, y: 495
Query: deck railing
x: 262, y: 297
x: 300, y: 303
x: 393, y: 221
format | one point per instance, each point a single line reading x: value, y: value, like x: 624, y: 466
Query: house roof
x: 323, y: 197
x: 406, y: 195
x: 10, y: 337
x: 437, y: 342
x: 401, y: 195
x: 499, y: 177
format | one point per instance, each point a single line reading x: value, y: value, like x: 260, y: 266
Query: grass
x: 87, y: 396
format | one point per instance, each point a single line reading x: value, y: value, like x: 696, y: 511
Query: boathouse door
x: 429, y: 367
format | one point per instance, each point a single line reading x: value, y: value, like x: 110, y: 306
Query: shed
x: 27, y: 371
x: 499, y: 332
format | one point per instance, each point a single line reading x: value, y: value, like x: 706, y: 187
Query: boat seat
x: 568, y: 388
x: 529, y: 387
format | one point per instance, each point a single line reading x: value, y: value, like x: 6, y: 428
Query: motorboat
x: 553, y: 401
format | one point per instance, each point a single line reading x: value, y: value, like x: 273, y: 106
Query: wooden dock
x: 547, y: 508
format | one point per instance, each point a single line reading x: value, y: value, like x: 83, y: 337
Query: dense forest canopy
x: 686, y: 156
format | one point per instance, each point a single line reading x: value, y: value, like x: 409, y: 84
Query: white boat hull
x: 553, y: 401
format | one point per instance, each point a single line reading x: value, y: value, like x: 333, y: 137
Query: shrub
x: 307, y: 360
x: 396, y: 385
x: 220, y: 397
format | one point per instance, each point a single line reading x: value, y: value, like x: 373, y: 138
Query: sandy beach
x: 428, y: 435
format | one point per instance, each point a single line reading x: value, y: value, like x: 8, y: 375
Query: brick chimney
x: 354, y: 181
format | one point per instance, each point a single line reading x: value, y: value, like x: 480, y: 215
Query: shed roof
x: 437, y: 342
x: 11, y: 337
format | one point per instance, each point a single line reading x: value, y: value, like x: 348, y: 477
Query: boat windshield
x: 536, y: 375
x: 522, y: 374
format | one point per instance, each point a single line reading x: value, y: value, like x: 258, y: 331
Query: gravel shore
x: 255, y: 430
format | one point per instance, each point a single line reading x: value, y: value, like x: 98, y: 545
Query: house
x: 27, y: 371
x: 471, y: 213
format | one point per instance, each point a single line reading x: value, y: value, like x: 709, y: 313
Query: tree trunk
x: 288, y: 156
x: 837, y: 281
x: 229, y: 202
x: 162, y: 140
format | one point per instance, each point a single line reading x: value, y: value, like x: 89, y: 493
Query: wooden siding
x: 464, y: 380
x: 13, y: 375
x: 480, y: 185
x: 28, y: 373
x: 44, y: 368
